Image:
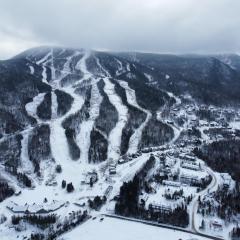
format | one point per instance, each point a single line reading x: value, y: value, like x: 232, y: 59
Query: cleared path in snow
x: 58, y: 140
x: 83, y: 138
x: 176, y: 130
x: 26, y: 164
x: 194, y: 204
x: 137, y: 135
x: 115, y: 135
x: 59, y: 144
x: 31, y: 107
x: 54, y: 105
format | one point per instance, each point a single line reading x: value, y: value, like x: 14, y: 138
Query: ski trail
x: 115, y: 135
x: 120, y: 70
x: 137, y: 135
x: 82, y: 66
x: 66, y: 66
x: 44, y: 74
x: 44, y: 59
x: 26, y: 164
x: 176, y: 130
x: 177, y: 99
x: 128, y: 67
x: 43, y: 62
x: 31, y: 107
x: 59, y: 144
x: 83, y: 138
x: 53, y: 72
x: 58, y: 140
x: 104, y: 71
x: 31, y: 70
x: 54, y: 105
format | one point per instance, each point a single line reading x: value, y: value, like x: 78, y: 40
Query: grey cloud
x: 172, y: 26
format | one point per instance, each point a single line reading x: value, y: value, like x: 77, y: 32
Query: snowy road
x: 194, y: 205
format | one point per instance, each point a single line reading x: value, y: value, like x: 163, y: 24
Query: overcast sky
x: 167, y: 26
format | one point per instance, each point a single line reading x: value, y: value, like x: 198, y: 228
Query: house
x: 171, y: 183
x: 112, y: 169
x: 189, y: 179
x: 191, y: 165
x: 122, y: 161
x: 226, y: 179
x: 91, y: 177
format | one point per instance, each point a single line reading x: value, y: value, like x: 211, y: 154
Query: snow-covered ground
x: 31, y: 69
x: 235, y: 125
x: 59, y: 144
x: 44, y: 59
x: 54, y: 105
x: 81, y: 65
x: 110, y: 228
x: 137, y: 135
x: 26, y: 164
x: 116, y: 133
x: 83, y: 138
x: 31, y: 107
x: 77, y: 171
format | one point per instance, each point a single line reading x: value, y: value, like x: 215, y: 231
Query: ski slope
x: 137, y: 135
x: 115, y: 135
x: 83, y: 138
x: 31, y: 107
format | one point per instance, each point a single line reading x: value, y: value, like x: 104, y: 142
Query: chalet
x: 91, y: 177
x: 189, y: 179
x: 171, y: 183
x: 191, y: 165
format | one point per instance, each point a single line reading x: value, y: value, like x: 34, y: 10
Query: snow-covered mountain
x: 66, y: 113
